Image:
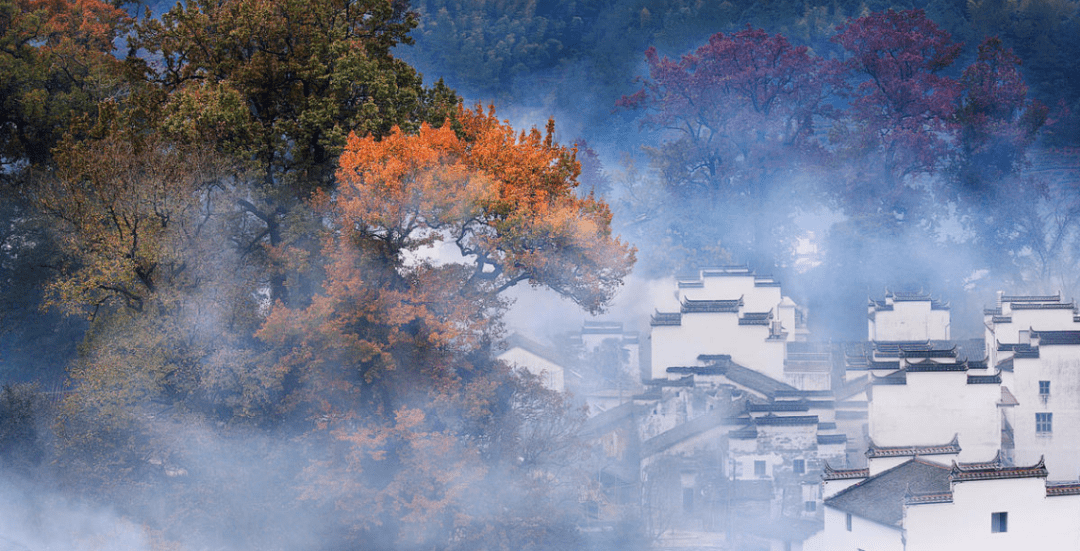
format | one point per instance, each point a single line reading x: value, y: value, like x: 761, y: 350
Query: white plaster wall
x: 864, y: 534
x: 830, y: 488
x: 910, y: 321
x: 755, y: 299
x: 715, y: 333
x: 551, y: 374
x: 1035, y: 521
x: 808, y: 380
x: 1023, y: 320
x: 1061, y: 366
x: 933, y: 407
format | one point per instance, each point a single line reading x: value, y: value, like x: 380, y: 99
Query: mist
x: 227, y: 326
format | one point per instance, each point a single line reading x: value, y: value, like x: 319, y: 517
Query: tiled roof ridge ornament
x: 874, y: 451
x: 830, y: 473
x: 995, y: 470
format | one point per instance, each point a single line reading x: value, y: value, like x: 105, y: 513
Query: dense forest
x: 255, y: 254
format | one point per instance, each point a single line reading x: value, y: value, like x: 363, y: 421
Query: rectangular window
x: 810, y: 506
x: 759, y: 468
x: 1044, y: 423
x: 999, y: 522
x: 847, y: 522
x: 799, y: 466
x: 688, y: 500
x: 1044, y: 388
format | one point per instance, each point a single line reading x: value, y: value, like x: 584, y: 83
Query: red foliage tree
x: 739, y: 114
x: 997, y: 122
x: 901, y: 107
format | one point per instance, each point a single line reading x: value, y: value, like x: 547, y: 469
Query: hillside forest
x: 256, y: 255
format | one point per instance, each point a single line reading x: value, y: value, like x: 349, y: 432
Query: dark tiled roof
x: 714, y: 358
x: 755, y: 318
x: 829, y: 473
x: 604, y: 421
x: 827, y: 425
x: 745, y: 433
x: 804, y: 394
x: 755, y: 381
x: 927, y: 366
x: 898, y: 378
x: 698, y: 369
x: 874, y: 451
x: 666, y: 318
x: 874, y: 364
x: 930, y: 353
x: 1026, y: 352
x: 548, y: 353
x: 789, y: 420
x: 1001, y: 319
x: 992, y: 311
x: 1062, y: 489
x: 1049, y: 338
x: 1031, y: 298
x: 880, y: 497
x: 852, y: 387
x: 1023, y: 350
x: 984, y: 379
x: 966, y: 472
x: 784, y: 405
x: 685, y: 431
x: 922, y: 499
x: 690, y: 306
x: 1044, y: 306
x: 684, y: 381
x: 826, y: 439
x: 697, y: 284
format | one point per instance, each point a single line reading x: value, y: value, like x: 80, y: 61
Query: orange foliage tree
x: 389, y: 362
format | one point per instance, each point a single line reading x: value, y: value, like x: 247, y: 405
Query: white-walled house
x: 542, y: 361
x: 923, y: 505
x: 1015, y: 315
x: 908, y: 317
x: 933, y: 402
x: 1046, y: 418
x: 1036, y: 344
x: 725, y: 311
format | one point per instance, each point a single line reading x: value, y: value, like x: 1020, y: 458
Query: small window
x: 1044, y: 423
x: 1044, y: 388
x: 810, y: 506
x: 799, y: 466
x: 688, y: 500
x: 759, y: 468
x: 847, y: 522
x: 999, y: 522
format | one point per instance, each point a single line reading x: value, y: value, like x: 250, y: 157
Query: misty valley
x: 508, y: 275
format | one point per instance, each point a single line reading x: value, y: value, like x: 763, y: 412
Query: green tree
x: 280, y: 85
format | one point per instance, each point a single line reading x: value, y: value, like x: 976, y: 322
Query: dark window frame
x: 999, y: 522
x: 799, y: 466
x: 1044, y: 422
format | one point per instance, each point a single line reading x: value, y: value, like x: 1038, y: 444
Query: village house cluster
x: 727, y: 427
